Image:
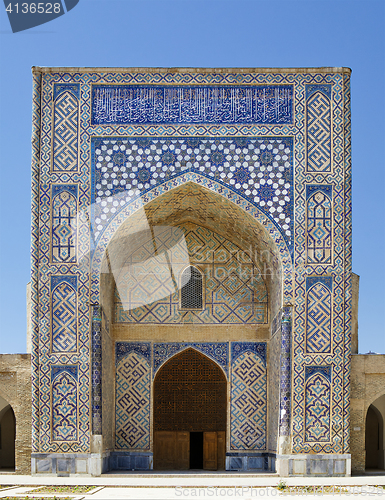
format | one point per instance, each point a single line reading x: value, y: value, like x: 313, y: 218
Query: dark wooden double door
x: 182, y: 450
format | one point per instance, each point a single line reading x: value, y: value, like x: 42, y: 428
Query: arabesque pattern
x: 317, y: 417
x: 64, y: 403
x: 319, y: 316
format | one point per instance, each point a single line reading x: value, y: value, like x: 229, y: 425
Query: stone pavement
x: 174, y: 485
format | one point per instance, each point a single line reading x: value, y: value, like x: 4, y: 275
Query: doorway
x: 189, y: 413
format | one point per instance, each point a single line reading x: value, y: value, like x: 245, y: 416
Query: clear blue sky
x: 212, y: 33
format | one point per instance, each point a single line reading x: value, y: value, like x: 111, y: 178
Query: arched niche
x: 249, y: 230
x: 7, y: 435
x: 375, y: 434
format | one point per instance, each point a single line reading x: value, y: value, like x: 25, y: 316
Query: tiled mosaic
x: 64, y: 403
x: 317, y: 404
x: 260, y: 169
x: 319, y: 202
x: 64, y: 313
x: 149, y: 282
x: 64, y: 214
x: 121, y: 104
x: 66, y: 128
x: 248, y: 405
x: 318, y: 315
x: 320, y: 131
x: 132, y: 400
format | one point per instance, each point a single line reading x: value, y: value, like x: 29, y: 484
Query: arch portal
x: 190, y: 408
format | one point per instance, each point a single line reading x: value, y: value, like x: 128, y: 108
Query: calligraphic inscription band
x: 120, y: 104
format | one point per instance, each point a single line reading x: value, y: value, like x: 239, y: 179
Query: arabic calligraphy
x: 148, y: 104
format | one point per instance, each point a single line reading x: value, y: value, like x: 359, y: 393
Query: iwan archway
x: 190, y: 407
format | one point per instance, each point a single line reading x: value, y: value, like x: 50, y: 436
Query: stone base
x: 314, y: 465
x: 89, y: 464
x: 252, y: 462
x: 124, y: 460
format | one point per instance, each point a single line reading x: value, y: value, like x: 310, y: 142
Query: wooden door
x: 164, y: 450
x: 221, y: 449
x: 182, y: 454
x: 210, y: 451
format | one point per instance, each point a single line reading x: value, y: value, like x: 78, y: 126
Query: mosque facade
x: 191, y: 291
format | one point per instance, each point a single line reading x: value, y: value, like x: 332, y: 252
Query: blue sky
x: 208, y: 33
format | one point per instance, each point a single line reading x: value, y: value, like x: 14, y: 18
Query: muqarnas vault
x: 191, y: 270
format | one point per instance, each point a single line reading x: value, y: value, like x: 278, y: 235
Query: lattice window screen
x: 190, y: 395
x: 192, y: 289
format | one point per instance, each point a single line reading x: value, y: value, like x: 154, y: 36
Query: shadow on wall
x: 7, y: 435
x: 374, y: 435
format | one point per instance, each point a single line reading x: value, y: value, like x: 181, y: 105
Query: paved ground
x: 174, y: 485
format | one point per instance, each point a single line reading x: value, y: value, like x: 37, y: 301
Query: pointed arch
x: 191, y: 288
x: 190, y: 394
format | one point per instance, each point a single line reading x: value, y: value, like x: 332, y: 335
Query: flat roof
x: 43, y: 69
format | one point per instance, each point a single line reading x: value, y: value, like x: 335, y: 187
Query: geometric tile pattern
x: 149, y: 282
x: 259, y: 168
x: 319, y: 314
x: 64, y: 212
x: 46, y: 88
x: 319, y: 228
x: 118, y: 104
x: 340, y: 268
x: 317, y: 404
x: 248, y: 402
x: 66, y: 125
x: 64, y: 313
x: 217, y: 351
x: 64, y: 403
x: 285, y: 375
x: 132, y: 416
x: 238, y: 348
x: 96, y: 336
x: 318, y: 124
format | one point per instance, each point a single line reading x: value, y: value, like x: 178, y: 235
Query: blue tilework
x: 64, y: 403
x: 314, y: 188
x: 318, y: 319
x: 325, y: 280
x: 64, y: 313
x: 59, y: 88
x: 260, y: 169
x: 115, y: 104
x: 132, y: 401
x: 218, y: 351
x: 43, y: 176
x: 326, y: 371
x: 96, y: 333
x: 238, y: 348
x: 124, y: 348
x: 248, y: 405
x: 64, y: 214
x: 318, y: 126
x: 317, y: 409
x: 285, y: 375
